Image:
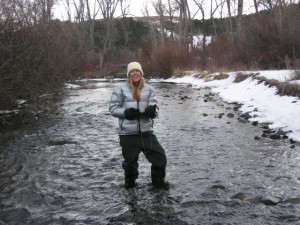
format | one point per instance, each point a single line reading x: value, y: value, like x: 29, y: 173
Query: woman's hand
x: 150, y: 111
x: 132, y: 113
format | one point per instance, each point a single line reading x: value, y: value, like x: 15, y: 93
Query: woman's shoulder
x: 148, y: 87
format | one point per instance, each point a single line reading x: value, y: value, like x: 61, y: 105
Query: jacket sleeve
x: 153, y: 100
x: 152, y: 97
x: 116, y: 104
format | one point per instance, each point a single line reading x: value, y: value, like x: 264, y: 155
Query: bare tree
x: 79, y: 10
x: 43, y: 9
x: 230, y: 17
x: 240, y: 17
x: 37, y: 53
x: 171, y: 9
x: 214, y: 6
x: 222, y: 8
x: 266, y: 4
x: 67, y: 7
x: 270, y: 4
x: 145, y: 10
x: 124, y: 5
x: 255, y: 5
x: 27, y: 12
x: 91, y: 15
x: 107, y: 9
x: 185, y: 23
x: 201, y: 9
x: 146, y: 13
x: 217, y: 5
x: 160, y: 11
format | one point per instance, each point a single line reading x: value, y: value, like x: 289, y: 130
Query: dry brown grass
x: 222, y: 76
x: 241, y: 76
x: 284, y: 88
x: 206, y: 78
x: 198, y: 75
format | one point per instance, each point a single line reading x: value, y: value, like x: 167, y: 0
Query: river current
x: 67, y: 170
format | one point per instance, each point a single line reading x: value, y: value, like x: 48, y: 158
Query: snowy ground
x: 258, y: 99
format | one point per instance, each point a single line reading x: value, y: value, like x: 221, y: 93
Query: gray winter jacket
x: 122, y: 99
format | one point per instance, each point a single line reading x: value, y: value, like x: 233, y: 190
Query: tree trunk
x: 108, y: 9
x: 255, y: 6
x: 170, y: 12
x: 240, y: 17
x: 184, y: 25
x: 159, y: 9
x: 230, y: 17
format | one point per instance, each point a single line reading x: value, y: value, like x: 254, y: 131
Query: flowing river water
x: 67, y: 170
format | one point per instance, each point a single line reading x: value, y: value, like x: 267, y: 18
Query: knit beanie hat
x: 134, y: 66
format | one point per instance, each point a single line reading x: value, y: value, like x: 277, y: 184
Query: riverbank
x: 258, y: 100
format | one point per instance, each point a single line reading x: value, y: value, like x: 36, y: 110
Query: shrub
x: 289, y: 89
x: 165, y: 59
x: 36, y: 60
x: 206, y: 78
x: 283, y: 88
x: 222, y: 76
x: 241, y: 76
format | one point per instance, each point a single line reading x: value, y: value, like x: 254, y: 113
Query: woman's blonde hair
x: 135, y: 89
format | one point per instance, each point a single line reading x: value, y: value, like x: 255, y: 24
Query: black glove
x: 132, y: 113
x: 150, y: 111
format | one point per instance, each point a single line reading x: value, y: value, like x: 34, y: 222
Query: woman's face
x: 135, y: 75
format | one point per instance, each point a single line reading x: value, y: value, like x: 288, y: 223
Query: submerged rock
x: 245, y: 115
x: 220, y: 115
x: 239, y: 196
x: 267, y: 131
x: 231, y: 115
x: 275, y: 136
x: 270, y: 200
x: 218, y: 186
x: 242, y: 120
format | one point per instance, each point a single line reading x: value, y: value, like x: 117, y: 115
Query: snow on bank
x: 258, y: 99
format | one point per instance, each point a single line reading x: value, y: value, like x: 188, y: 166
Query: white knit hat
x: 134, y: 66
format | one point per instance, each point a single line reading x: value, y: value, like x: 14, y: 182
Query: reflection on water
x: 68, y: 170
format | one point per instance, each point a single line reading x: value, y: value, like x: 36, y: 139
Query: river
x: 67, y: 169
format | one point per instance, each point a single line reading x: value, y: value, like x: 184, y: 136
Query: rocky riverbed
x: 222, y: 169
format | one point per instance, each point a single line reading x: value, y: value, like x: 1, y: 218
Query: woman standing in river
x: 135, y: 104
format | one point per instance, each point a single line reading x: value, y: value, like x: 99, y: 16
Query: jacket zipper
x: 139, y: 123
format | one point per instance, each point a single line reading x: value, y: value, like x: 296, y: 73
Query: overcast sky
x: 137, y: 6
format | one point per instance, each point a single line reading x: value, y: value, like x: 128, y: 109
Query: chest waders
x: 146, y: 142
